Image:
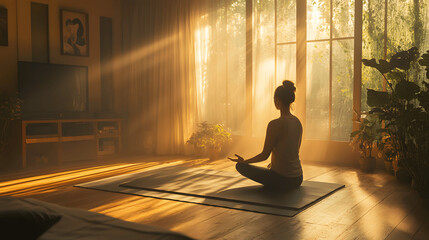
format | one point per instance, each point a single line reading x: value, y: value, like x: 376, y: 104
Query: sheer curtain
x: 264, y: 82
x: 159, y: 73
x: 220, y: 50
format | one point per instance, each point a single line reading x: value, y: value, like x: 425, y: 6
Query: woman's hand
x: 239, y: 159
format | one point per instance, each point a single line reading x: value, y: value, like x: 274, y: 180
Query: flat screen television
x: 53, y: 88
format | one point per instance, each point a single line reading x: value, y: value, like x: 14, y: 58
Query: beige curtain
x: 221, y: 63
x: 159, y: 73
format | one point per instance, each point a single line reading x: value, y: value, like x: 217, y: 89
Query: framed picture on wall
x: 3, y: 27
x: 74, y: 33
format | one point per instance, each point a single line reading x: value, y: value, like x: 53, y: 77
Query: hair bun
x: 285, y: 93
x: 289, y: 86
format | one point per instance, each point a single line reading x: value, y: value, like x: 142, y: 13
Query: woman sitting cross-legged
x: 283, y: 140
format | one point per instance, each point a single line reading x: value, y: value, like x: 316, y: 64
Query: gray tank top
x: 285, y: 154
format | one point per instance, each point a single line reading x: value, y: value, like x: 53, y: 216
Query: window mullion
x: 275, y: 40
x: 357, y: 68
x: 301, y: 59
x: 249, y: 66
x: 226, y: 64
x: 385, y: 38
x: 330, y: 67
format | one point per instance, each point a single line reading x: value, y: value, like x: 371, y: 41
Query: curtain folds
x: 221, y: 63
x: 159, y: 70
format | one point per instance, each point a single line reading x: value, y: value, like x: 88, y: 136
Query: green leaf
x: 381, y: 130
x: 369, y: 62
x: 403, y: 59
x: 383, y: 66
x: 424, y: 100
x: 406, y: 90
x: 353, y: 134
x: 424, y: 61
x: 377, y: 98
x: 397, y: 76
x: 376, y: 110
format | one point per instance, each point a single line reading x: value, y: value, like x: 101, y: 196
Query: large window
x: 390, y: 26
x: 274, y: 56
x: 330, y: 41
x: 263, y: 65
x: 328, y: 66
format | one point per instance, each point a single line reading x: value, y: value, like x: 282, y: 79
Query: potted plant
x: 10, y: 110
x: 404, y: 110
x: 209, y: 139
x: 363, y: 140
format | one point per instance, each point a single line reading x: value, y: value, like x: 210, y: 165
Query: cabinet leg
x: 24, y: 144
x: 60, y: 145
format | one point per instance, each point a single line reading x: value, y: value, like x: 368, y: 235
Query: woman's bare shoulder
x: 274, y: 121
x: 280, y: 122
x: 297, y: 122
x: 296, y: 118
x: 276, y: 124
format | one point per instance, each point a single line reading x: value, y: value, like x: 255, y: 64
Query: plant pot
x: 200, y: 152
x: 421, y: 187
x: 367, y: 164
x: 189, y: 150
x: 213, y: 153
x: 388, y: 166
x: 403, y: 176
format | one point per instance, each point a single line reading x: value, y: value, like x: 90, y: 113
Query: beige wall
x: 19, y: 49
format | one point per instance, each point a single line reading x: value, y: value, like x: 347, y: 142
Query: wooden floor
x: 371, y: 206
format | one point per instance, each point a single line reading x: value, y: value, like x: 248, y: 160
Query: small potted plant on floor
x: 387, y: 152
x: 389, y: 157
x: 209, y: 139
x: 364, y: 140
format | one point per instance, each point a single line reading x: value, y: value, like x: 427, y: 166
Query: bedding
x: 57, y: 222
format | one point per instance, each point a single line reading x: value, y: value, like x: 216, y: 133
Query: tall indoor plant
x: 404, y: 109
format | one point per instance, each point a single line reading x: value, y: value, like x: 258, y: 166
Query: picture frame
x: 74, y: 33
x: 3, y: 27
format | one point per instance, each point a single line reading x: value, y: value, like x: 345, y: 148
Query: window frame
x: 301, y: 54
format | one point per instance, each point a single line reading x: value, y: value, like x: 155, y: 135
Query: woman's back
x: 282, y: 142
x: 285, y: 154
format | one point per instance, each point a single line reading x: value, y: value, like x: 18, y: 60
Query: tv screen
x: 53, y: 88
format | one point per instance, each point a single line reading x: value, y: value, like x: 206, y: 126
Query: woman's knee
x: 241, y: 167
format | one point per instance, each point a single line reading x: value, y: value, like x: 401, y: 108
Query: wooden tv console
x: 95, y: 132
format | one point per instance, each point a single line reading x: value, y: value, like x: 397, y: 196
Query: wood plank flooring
x: 372, y: 206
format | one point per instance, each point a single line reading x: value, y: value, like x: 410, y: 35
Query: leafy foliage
x: 403, y: 59
x: 10, y: 109
x: 364, y: 139
x: 382, y: 66
x: 377, y: 98
x: 406, y: 90
x: 210, y: 136
x: 10, y: 106
x: 425, y: 63
x: 404, y: 110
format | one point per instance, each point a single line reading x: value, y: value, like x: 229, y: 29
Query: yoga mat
x: 215, y: 188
